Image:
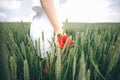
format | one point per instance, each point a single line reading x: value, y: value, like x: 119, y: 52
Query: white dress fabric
x: 40, y: 24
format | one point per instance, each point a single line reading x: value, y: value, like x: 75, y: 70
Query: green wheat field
x: 95, y: 54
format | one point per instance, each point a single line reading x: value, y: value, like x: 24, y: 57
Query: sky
x: 73, y: 10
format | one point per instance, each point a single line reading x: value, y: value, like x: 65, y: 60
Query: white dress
x: 40, y: 23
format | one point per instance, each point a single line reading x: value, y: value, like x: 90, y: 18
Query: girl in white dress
x: 45, y: 21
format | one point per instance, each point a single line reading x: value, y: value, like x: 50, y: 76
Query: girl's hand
x: 59, y: 31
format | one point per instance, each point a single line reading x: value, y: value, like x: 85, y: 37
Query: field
x: 95, y: 54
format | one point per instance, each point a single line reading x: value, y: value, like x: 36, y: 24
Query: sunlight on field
x: 95, y: 54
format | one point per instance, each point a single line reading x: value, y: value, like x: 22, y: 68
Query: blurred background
x: 74, y: 11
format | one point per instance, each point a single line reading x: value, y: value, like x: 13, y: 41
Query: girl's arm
x: 48, y: 6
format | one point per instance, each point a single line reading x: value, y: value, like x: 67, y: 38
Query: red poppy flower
x: 62, y: 40
x: 71, y: 43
